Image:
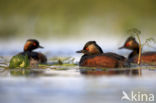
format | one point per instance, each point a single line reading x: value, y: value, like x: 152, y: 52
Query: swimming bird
x: 94, y: 57
x: 28, y: 56
x: 147, y: 58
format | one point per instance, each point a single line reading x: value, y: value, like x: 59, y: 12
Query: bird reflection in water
x: 111, y: 72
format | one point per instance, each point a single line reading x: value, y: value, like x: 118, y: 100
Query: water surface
x: 68, y: 84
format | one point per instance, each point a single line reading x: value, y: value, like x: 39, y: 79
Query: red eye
x: 127, y: 44
x: 34, y: 44
x: 87, y: 49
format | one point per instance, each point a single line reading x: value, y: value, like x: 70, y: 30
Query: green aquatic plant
x: 62, y: 60
x: 56, y: 66
x: 65, y: 64
x: 46, y: 66
x: 19, y: 61
x: 148, y: 41
x: 137, y: 32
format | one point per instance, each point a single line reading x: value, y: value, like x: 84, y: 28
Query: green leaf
x: 19, y: 61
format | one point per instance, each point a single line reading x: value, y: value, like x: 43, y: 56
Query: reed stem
x: 140, y: 51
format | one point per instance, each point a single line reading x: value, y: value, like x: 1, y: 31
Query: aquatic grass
x: 56, y: 62
x: 61, y: 68
x: 62, y: 60
x: 148, y: 41
x: 65, y: 65
x: 92, y: 68
x: 45, y: 67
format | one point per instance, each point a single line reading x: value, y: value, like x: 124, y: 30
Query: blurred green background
x: 66, y: 18
x: 70, y: 18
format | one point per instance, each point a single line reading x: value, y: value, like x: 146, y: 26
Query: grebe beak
x: 121, y: 47
x: 40, y: 46
x: 81, y: 51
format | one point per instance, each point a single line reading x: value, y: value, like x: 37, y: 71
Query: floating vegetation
x: 56, y: 66
x: 62, y: 60
x: 45, y: 66
x: 19, y: 61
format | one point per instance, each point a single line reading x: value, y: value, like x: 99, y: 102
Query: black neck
x: 99, y: 48
x: 27, y: 50
x: 133, y: 53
